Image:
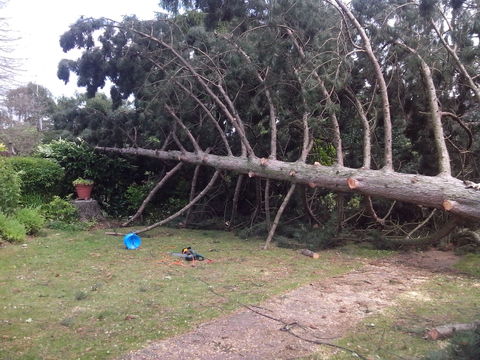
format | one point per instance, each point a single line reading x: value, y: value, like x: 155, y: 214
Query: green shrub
x: 31, y: 218
x: 81, y: 161
x: 59, y: 210
x: 34, y: 200
x: 38, y: 175
x: 11, y: 229
x: 135, y: 195
x: 10, y: 185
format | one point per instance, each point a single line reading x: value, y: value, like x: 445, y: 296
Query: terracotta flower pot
x: 83, y: 191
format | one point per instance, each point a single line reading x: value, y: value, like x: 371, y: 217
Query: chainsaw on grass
x: 189, y: 254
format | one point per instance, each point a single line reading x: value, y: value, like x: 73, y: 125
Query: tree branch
x: 388, y: 157
x: 152, y: 193
x: 185, y: 208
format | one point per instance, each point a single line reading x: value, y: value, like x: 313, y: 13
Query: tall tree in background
x: 8, y: 65
x: 30, y: 104
x: 287, y: 90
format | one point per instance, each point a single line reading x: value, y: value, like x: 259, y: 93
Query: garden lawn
x: 69, y: 295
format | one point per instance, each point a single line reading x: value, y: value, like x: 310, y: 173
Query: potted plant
x: 83, y: 187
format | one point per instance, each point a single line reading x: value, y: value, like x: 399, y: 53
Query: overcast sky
x: 39, y: 24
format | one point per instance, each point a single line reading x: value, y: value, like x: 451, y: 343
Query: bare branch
x: 278, y: 216
x: 475, y: 88
x: 443, y: 156
x: 152, y: 193
x: 419, y: 226
x: 185, y: 208
x: 388, y: 157
x: 182, y: 125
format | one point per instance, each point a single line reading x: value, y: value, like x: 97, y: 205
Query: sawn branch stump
x: 88, y: 210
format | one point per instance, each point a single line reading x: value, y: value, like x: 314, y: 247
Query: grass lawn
x: 70, y: 295
x: 82, y: 295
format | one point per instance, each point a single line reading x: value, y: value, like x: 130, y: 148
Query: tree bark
x: 443, y: 157
x: 236, y: 196
x: 387, y: 126
x: 268, y: 220
x: 445, y: 331
x: 258, y: 198
x: 309, y: 253
x: 367, y: 141
x: 445, y: 193
x: 280, y: 211
x: 192, y: 192
x: 88, y: 210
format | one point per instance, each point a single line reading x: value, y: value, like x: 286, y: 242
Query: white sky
x: 39, y: 24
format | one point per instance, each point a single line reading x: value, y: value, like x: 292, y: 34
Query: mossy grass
x: 81, y: 294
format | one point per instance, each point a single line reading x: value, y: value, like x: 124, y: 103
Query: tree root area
x: 291, y: 325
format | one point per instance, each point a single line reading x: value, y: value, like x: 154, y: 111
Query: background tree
x: 32, y: 104
x: 8, y: 65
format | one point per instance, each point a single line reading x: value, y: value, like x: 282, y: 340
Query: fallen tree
x: 442, y: 192
x: 269, y: 94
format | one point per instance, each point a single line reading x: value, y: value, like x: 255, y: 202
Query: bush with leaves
x: 79, y: 160
x: 11, y: 229
x: 10, y: 188
x: 136, y: 193
x: 31, y: 218
x: 39, y: 176
x: 60, y: 210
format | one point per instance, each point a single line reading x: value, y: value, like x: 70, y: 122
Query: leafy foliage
x: 38, y: 175
x: 59, y: 210
x: 11, y: 229
x: 81, y: 161
x: 31, y: 218
x: 10, y: 188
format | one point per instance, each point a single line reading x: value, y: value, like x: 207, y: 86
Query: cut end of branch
x: 309, y: 253
x: 448, y: 205
x: 292, y: 173
x: 352, y: 183
x: 251, y: 174
x: 263, y: 162
x: 316, y: 163
x: 312, y: 185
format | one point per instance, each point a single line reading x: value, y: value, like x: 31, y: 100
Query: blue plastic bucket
x: 132, y: 241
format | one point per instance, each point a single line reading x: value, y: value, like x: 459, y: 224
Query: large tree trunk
x: 442, y: 192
